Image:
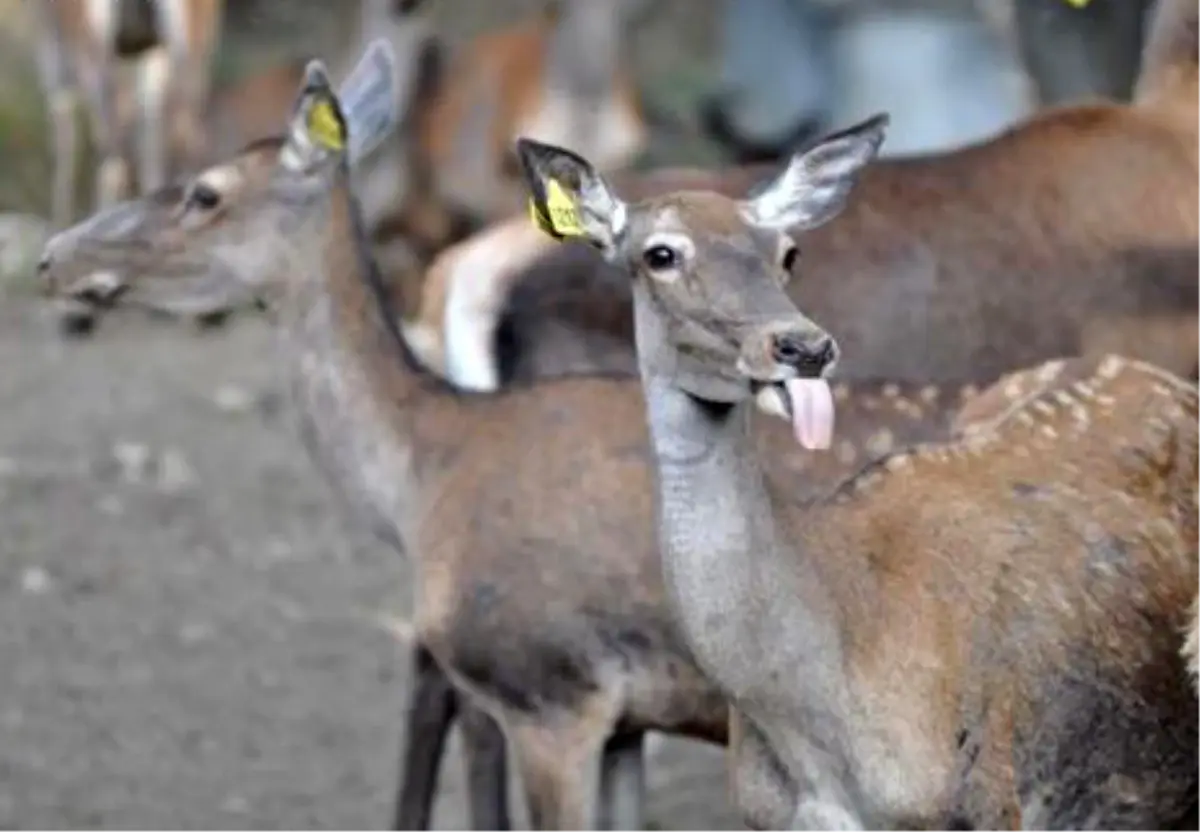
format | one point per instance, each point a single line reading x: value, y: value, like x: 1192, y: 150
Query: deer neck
x: 734, y: 575
x: 357, y: 390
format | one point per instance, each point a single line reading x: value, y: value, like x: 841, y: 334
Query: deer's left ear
x: 814, y: 186
x: 568, y: 198
x: 317, y: 131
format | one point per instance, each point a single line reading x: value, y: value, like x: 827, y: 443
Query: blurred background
x: 189, y: 634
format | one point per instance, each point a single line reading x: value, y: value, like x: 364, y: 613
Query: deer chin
x: 805, y: 403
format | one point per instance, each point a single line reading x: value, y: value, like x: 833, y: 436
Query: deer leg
x: 487, y: 769
x: 558, y: 758
x: 431, y: 710
x: 112, y: 175
x: 189, y: 35
x: 154, y: 82
x: 623, y: 781
x: 65, y: 130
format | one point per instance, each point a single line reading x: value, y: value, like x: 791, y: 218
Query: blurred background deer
x: 195, y: 634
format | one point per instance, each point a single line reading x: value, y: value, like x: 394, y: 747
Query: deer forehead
x: 702, y: 216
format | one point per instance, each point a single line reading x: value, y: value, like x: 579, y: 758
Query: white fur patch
x: 1191, y: 650
x: 477, y: 285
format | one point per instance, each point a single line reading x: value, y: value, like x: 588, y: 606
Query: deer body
x: 81, y: 43
x: 985, y: 632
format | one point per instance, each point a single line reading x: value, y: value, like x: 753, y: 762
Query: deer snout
x: 810, y: 352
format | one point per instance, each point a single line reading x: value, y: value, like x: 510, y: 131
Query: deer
x: 80, y: 44
x: 943, y: 267
x: 948, y: 638
x: 547, y: 615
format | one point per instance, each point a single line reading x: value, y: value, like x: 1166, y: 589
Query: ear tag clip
x: 325, y: 127
x: 560, y: 218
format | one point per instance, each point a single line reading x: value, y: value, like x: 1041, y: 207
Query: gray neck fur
x: 329, y: 324
x: 750, y: 604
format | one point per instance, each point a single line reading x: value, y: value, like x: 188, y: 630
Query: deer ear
x: 369, y: 100
x: 317, y: 132
x: 813, y: 188
x: 568, y: 198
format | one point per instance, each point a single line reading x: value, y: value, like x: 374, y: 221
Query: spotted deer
x: 157, y: 120
x: 547, y: 611
x: 982, y: 632
x: 1072, y: 233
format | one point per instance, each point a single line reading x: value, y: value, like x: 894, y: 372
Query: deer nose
x: 806, y: 353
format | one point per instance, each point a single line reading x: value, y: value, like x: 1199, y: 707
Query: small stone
x: 133, y: 459
x: 235, y: 804
x: 35, y: 581
x: 195, y: 632
x: 111, y: 505
x: 230, y: 398
x: 175, y: 473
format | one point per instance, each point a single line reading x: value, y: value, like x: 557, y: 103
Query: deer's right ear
x: 813, y: 188
x: 369, y: 100
x: 568, y: 198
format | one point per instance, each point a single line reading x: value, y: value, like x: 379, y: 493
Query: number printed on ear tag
x: 563, y: 214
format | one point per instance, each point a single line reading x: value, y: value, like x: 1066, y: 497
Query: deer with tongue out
x: 932, y: 645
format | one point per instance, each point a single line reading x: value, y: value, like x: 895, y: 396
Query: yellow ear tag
x: 561, y: 218
x: 325, y: 127
x: 1078, y: 4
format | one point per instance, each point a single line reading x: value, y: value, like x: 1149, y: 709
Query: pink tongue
x: 812, y: 412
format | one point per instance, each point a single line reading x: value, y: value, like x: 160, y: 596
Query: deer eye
x: 204, y: 197
x: 790, y: 255
x: 660, y: 258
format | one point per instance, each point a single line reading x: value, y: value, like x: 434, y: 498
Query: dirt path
x: 190, y: 636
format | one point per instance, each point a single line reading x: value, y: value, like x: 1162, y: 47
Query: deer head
x: 712, y: 315
x: 198, y: 246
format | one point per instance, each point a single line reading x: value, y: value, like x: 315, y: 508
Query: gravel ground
x: 190, y: 635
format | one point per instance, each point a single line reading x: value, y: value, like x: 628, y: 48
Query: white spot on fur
x: 1111, y: 367
x: 1050, y: 371
x: 1191, y: 650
